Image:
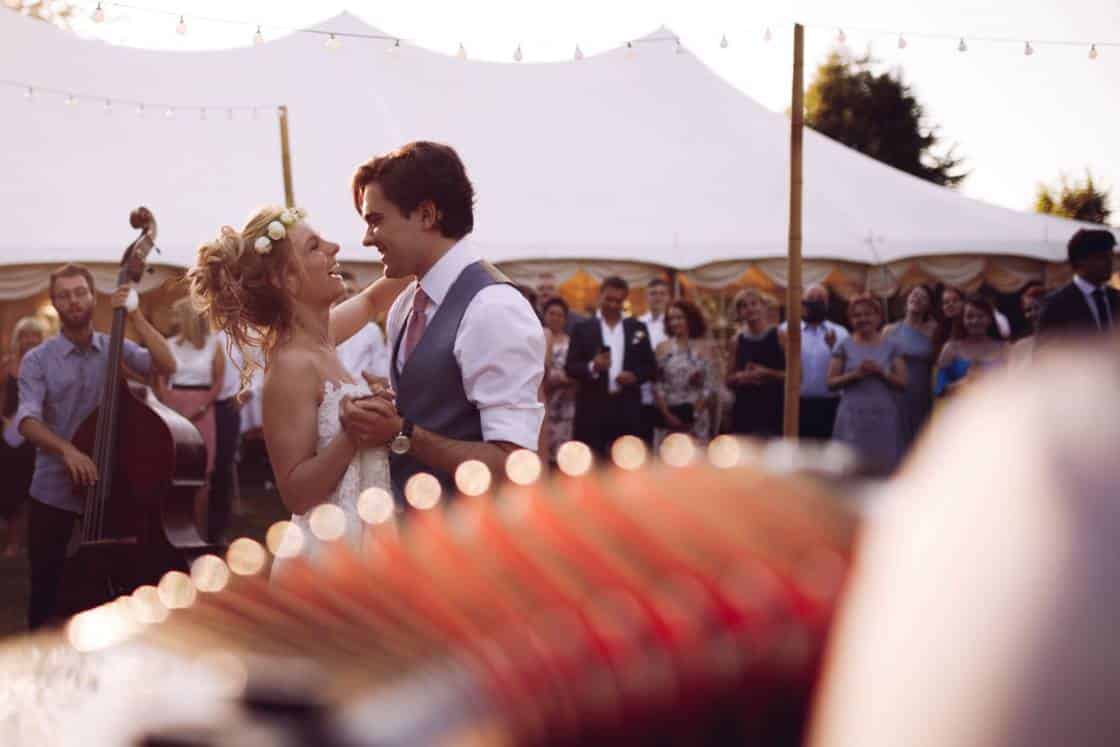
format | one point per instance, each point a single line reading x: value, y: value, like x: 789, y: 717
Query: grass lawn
x: 259, y: 509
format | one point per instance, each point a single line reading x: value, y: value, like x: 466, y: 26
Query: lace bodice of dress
x: 369, y: 468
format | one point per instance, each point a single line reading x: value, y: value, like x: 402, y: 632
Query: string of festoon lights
x: 333, y: 39
x: 111, y: 104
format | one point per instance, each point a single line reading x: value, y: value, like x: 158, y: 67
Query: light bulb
x: 169, y: 113
x: 901, y: 42
x: 579, y: 53
x: 202, y: 114
x: 396, y: 47
x: 767, y: 35
x: 98, y: 14
x: 332, y: 43
x: 723, y: 42
x: 108, y: 106
x: 678, y: 48
x: 29, y: 94
x: 962, y: 47
x: 70, y: 100
x: 258, y: 38
x: 1093, y: 54
x: 140, y: 110
x: 462, y: 53
x: 1028, y: 50
x: 629, y: 50
x: 181, y: 26
x: 517, y: 56
x: 841, y: 37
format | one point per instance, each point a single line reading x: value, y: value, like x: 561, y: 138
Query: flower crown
x: 278, y: 229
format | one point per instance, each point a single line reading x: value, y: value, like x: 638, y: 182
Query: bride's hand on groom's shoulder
x: 370, y: 421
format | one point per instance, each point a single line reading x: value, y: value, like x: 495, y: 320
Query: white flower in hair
x: 263, y: 245
x: 276, y: 230
x: 288, y: 216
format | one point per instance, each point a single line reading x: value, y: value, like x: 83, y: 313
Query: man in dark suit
x: 1086, y: 305
x: 611, y: 357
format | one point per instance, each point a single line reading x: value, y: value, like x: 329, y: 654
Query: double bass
x: 138, y: 521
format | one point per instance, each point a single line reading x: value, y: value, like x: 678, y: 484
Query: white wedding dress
x: 368, y: 469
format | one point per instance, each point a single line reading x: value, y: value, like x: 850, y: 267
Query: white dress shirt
x: 657, y: 335
x: 1087, y: 289
x: 499, y: 347
x: 365, y: 351
x: 615, y: 339
x: 816, y: 355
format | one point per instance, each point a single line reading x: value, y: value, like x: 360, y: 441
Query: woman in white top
x: 193, y: 388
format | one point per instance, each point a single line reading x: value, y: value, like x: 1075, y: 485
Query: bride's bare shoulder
x: 292, y: 371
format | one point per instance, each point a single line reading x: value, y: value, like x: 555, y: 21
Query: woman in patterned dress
x: 559, y: 389
x: 685, y: 385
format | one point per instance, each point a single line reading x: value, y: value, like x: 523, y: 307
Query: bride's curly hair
x: 241, y: 291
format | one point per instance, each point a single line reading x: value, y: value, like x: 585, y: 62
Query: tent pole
x: 793, y: 285
x: 286, y: 157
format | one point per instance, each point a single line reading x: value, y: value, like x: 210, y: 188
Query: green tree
x: 1081, y: 200
x: 878, y: 115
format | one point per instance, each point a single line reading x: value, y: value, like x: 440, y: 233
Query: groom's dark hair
x: 420, y: 172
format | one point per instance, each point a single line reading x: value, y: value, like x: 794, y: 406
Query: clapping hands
x: 870, y: 368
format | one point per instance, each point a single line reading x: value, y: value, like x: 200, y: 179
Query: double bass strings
x: 592, y: 602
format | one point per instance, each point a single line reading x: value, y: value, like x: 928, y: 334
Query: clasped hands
x: 372, y: 420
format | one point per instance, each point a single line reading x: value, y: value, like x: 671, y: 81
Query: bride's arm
x: 305, y: 475
x: 350, y: 316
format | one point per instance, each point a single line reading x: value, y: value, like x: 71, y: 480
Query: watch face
x: 400, y: 444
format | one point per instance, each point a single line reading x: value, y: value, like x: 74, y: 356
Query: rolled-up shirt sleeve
x: 32, y: 389
x: 137, y: 358
x: 500, y: 348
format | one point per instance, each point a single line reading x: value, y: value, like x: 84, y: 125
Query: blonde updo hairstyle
x: 242, y: 291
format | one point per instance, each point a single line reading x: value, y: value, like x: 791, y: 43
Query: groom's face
x: 400, y: 240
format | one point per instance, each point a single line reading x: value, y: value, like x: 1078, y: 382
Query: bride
x: 271, y: 286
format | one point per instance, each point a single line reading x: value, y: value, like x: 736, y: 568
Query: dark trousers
x: 818, y: 414
x: 648, y: 423
x: 227, y: 426
x: 48, y: 535
x: 614, y: 418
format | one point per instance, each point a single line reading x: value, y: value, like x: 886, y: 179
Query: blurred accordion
x: 679, y: 603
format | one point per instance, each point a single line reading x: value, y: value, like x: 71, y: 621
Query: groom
x: 466, y: 349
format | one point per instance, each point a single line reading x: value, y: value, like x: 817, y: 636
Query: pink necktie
x: 417, y: 323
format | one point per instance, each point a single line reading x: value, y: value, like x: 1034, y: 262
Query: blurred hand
x: 377, y: 384
x: 120, y: 297
x: 370, y: 421
x: 602, y: 362
x: 82, y: 470
x: 829, y: 336
x: 870, y: 368
x: 626, y: 378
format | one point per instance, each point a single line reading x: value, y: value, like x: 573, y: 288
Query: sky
x: 1017, y: 120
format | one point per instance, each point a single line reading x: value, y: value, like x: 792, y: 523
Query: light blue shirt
x: 815, y: 357
x: 60, y: 384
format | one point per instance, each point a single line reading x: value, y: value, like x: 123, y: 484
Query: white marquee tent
x: 641, y: 163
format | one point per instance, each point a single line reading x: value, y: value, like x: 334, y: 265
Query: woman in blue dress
x: 869, y: 370
x: 914, y: 336
x: 980, y: 349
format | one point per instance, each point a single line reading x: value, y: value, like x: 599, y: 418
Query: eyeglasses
x: 78, y: 294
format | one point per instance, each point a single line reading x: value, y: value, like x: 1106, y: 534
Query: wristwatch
x: 402, y: 442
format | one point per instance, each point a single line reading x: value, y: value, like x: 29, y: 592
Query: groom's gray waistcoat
x: 429, y: 389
